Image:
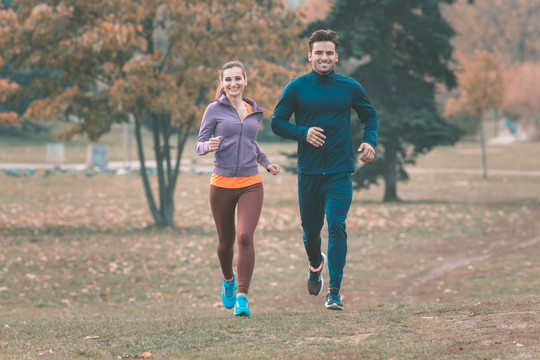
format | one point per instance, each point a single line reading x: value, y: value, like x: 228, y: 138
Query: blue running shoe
x: 242, y: 308
x: 315, y: 281
x: 333, y: 301
x: 228, y: 293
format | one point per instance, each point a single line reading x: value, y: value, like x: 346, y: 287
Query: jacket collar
x: 256, y: 108
x: 323, y: 78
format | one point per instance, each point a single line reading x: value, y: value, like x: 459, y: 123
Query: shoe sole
x: 242, y: 314
x: 334, y: 307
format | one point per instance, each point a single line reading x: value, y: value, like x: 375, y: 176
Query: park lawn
x: 450, y: 272
x: 502, y: 329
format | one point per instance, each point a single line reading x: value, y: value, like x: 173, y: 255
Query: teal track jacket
x: 324, y: 101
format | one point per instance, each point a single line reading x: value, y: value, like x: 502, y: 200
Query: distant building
x: 294, y: 3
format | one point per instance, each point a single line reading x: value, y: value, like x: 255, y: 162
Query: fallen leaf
x: 146, y: 355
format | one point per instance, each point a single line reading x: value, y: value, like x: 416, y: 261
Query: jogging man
x: 321, y: 101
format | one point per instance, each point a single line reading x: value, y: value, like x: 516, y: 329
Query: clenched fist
x: 213, y: 143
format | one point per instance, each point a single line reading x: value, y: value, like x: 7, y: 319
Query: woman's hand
x: 213, y: 143
x: 273, y: 169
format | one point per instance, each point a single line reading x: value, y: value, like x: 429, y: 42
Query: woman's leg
x: 249, y: 211
x: 223, y: 204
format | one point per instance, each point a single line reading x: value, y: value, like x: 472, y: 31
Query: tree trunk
x: 160, y: 127
x: 483, y: 145
x: 144, y: 174
x: 390, y: 176
x: 167, y: 174
x: 496, y: 115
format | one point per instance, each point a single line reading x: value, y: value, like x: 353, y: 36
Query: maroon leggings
x: 223, y: 203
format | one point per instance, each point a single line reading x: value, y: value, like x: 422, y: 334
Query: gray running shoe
x: 315, y: 281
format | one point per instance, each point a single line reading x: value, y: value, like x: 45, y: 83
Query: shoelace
x: 334, y: 297
x: 242, y: 301
x: 314, y: 277
x: 229, y: 290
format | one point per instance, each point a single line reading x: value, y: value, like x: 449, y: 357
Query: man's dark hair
x: 324, y: 35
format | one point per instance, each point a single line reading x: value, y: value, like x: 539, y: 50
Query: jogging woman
x: 229, y: 128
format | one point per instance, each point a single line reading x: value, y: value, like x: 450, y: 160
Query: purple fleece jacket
x: 238, y: 152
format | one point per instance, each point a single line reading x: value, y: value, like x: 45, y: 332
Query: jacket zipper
x: 239, y: 141
x: 240, y: 138
x: 325, y: 114
x: 238, y: 149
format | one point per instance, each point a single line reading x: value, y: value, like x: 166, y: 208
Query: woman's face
x: 233, y: 82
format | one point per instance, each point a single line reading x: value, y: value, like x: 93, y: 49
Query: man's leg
x: 311, y: 201
x: 337, y: 202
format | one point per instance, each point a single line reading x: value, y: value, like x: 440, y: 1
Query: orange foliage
x: 522, y: 96
x: 313, y: 10
x: 508, y: 28
x: 9, y: 117
x: 158, y: 57
x: 481, y: 81
x: 7, y: 88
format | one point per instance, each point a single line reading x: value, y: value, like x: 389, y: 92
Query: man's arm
x: 281, y: 124
x: 368, y: 115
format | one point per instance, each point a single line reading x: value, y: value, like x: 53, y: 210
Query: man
x: 321, y: 101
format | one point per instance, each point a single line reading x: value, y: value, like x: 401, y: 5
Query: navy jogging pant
x: 327, y: 195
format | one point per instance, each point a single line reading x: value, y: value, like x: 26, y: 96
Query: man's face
x: 323, y: 57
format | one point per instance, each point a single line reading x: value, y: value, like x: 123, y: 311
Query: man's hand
x: 273, y: 169
x: 213, y: 143
x: 369, y: 152
x: 315, y: 136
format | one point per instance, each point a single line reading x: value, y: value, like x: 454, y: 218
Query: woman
x: 229, y: 128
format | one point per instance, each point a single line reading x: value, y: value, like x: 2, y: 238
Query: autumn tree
x: 481, y: 81
x: 7, y: 86
x: 312, y: 10
x: 402, y: 51
x: 508, y: 29
x: 522, y: 96
x: 7, y: 114
x: 155, y: 60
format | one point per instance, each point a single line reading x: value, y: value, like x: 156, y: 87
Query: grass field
x: 451, y: 272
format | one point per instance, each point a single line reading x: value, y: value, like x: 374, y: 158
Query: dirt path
x: 498, y: 172
x: 447, y: 267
